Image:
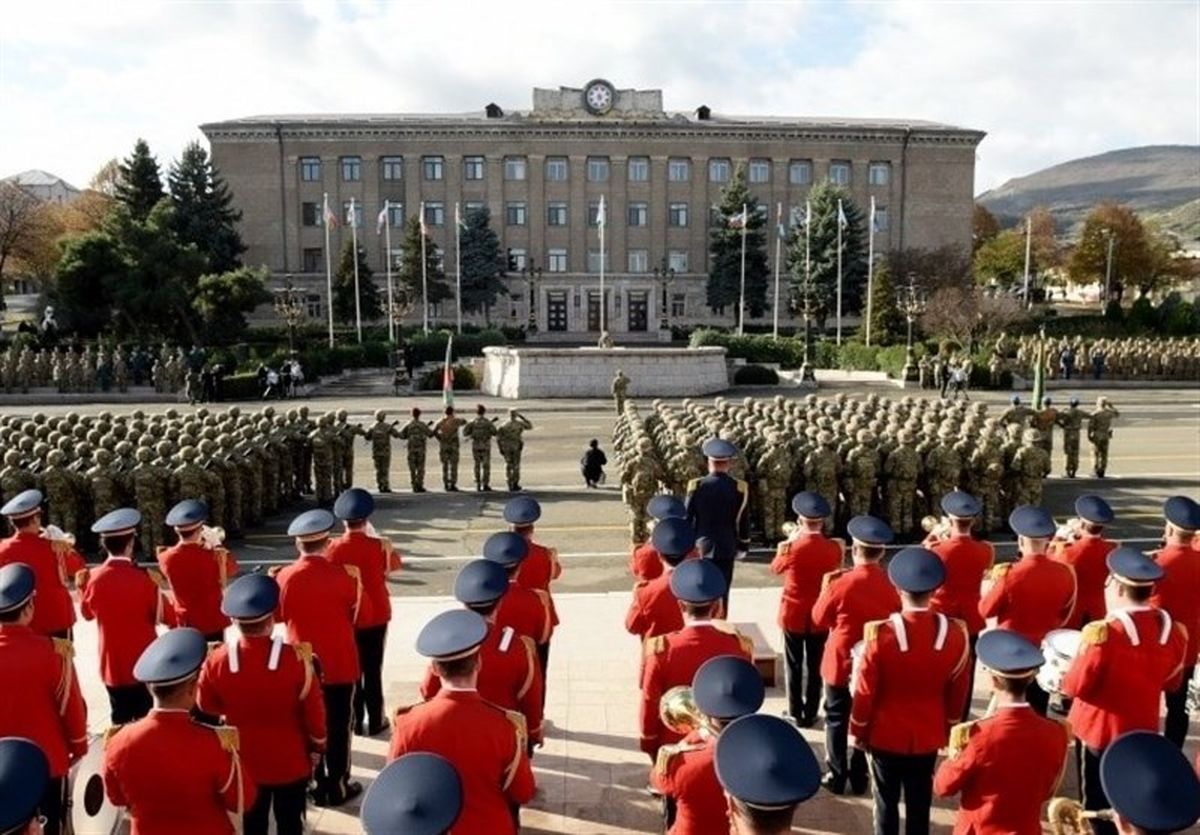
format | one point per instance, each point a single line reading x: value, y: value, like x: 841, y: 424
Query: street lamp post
x: 664, y: 275
x: 808, y: 307
x: 289, y: 306
x: 911, y: 302
x: 532, y: 274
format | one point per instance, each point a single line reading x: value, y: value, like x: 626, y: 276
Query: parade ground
x: 592, y: 777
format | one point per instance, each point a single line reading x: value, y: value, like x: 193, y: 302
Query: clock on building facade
x: 599, y: 96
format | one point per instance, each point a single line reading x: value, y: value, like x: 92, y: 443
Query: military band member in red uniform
x: 484, y: 742
x: 1153, y: 787
x: 724, y: 689
x: 418, y: 794
x: 539, y: 568
x: 672, y: 660
x: 127, y: 606
x: 54, y: 563
x: 908, y: 692
x: 24, y: 775
x: 804, y: 559
x: 509, y: 674
x: 525, y: 610
x: 319, y: 603
x: 1008, y: 764
x: 1178, y: 593
x: 196, y: 571
x: 645, y: 563
x: 1084, y: 550
x: 1034, y: 594
x: 39, y: 692
x: 654, y: 610
x: 849, y: 599
x: 174, y: 775
x: 375, y: 558
x: 1124, y: 665
x: 268, y: 690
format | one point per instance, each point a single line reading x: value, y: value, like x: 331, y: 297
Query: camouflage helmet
x: 208, y: 446
x: 234, y: 411
x: 225, y: 441
x: 55, y: 457
x: 202, y: 413
x: 280, y: 421
x: 41, y: 431
x: 104, y: 417
x: 1031, y: 436
x: 165, y: 449
x: 342, y: 415
x: 79, y: 431
x: 68, y: 444
x: 293, y: 414
x: 907, y: 436
x: 39, y: 417
x: 104, y: 456
x: 172, y: 414
x: 12, y: 458
x: 380, y: 415
x: 303, y: 410
x: 40, y: 449
x: 824, y: 437
x: 188, y: 453
x: 144, y: 454
x: 144, y: 440
x: 269, y: 411
x: 124, y: 449
x: 137, y: 414
x: 644, y: 444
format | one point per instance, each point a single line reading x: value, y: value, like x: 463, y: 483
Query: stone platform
x: 588, y: 372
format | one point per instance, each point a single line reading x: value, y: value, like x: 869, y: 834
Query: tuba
x: 678, y: 712
x: 1068, y: 817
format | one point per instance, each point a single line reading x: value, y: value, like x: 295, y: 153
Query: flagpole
x: 1028, y: 251
x: 387, y: 257
x: 424, y: 277
x: 778, y: 247
x: 328, y: 269
x: 742, y: 294
x: 807, y: 245
x: 839, y: 274
x: 357, y: 297
x: 603, y: 305
x: 870, y: 265
x: 458, y: 266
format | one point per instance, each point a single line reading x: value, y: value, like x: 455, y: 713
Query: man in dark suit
x: 716, y: 507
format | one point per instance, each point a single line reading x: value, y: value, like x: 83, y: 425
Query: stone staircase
x: 360, y: 382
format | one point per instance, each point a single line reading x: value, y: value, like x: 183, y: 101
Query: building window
x: 472, y: 206
x: 518, y: 259
x: 514, y: 214
x: 472, y: 168
x: 310, y: 214
x: 593, y: 264
x: 677, y: 260
x: 431, y: 168
x: 310, y: 169
x: 355, y: 220
x: 677, y: 214
x: 881, y: 218
x: 639, y: 261
x: 639, y: 169
x: 514, y: 168
x: 556, y: 214
x: 393, y: 168
x: 395, y: 215
x: 839, y: 173
x: 800, y: 172
x: 638, y: 214
x: 679, y: 304
x: 760, y: 171
x: 597, y: 169
x: 594, y: 213
x: 313, y: 259
x: 719, y: 170
x: 679, y: 170
x: 556, y: 261
x: 435, y: 213
x: 879, y: 173
x: 351, y: 169
x: 556, y: 169
x: 313, y: 307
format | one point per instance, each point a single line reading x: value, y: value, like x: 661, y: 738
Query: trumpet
x: 212, y: 536
x: 935, y: 527
x: 678, y: 711
x: 1068, y: 817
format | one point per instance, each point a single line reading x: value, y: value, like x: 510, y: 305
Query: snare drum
x: 90, y: 812
x: 1060, y: 646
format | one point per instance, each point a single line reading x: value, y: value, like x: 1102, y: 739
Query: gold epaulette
x: 662, y: 763
x: 1095, y: 632
x: 640, y: 583
x: 64, y: 648
x: 391, y: 561
x: 354, y: 572
x: 304, y: 652
x: 228, y: 737
x: 274, y: 570
x: 960, y: 735
x: 110, y: 732
x: 998, y: 571
x: 743, y: 486
x: 655, y: 646
x: 517, y: 719
x: 828, y: 579
x: 691, y: 485
x: 871, y: 630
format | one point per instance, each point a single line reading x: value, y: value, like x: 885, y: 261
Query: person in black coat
x: 716, y: 507
x: 593, y: 463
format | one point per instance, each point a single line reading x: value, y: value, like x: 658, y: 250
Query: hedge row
x: 464, y: 379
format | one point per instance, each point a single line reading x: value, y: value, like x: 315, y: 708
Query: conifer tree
x: 725, y: 251
x: 139, y: 186
x: 204, y: 215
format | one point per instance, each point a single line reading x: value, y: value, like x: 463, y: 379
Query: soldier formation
x: 1141, y: 358
x: 82, y: 372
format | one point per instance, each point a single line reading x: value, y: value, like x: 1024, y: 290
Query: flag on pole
x: 781, y: 227
x: 458, y: 219
x: 739, y: 220
x: 421, y: 216
x: 382, y: 219
x: 807, y: 213
x: 448, y: 376
x: 600, y: 220
x: 352, y: 215
x: 842, y: 222
x: 330, y: 218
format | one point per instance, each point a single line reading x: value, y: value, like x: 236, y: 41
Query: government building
x: 542, y: 173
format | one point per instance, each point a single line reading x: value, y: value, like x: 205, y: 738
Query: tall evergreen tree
x: 343, y: 288
x: 408, y: 277
x: 204, y: 215
x: 140, y: 184
x: 482, y: 263
x: 725, y: 251
x: 886, y: 321
x: 823, y: 239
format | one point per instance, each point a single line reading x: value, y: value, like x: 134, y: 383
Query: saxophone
x: 1068, y: 817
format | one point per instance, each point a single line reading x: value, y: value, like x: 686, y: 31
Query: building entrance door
x: 593, y: 310
x: 639, y: 307
x: 556, y: 311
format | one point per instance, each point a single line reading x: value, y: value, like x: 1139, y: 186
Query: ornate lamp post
x: 665, y: 275
x: 290, y: 307
x: 532, y: 274
x: 910, y: 300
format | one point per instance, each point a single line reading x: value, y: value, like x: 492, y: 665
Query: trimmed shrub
x: 855, y: 356
x: 754, y: 348
x: 755, y: 375
x: 241, y: 387
x: 432, y: 348
x: 464, y: 379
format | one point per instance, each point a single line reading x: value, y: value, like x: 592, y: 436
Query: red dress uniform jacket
x: 319, y: 602
x: 1086, y: 556
x: 1006, y: 766
x: 126, y: 605
x: 672, y: 660
x: 375, y: 558
x: 1118, y: 678
x: 39, y: 695
x: 847, y: 601
x: 1030, y: 596
x: 804, y: 562
x: 911, y: 685
x: 686, y: 772
x: 198, y: 576
x: 509, y: 677
x: 527, y: 611
x: 54, y: 565
x: 536, y: 572
x: 175, y: 776
x: 655, y: 610
x: 645, y: 562
x: 966, y: 561
x: 268, y: 691
x: 1179, y: 592
x: 485, y: 743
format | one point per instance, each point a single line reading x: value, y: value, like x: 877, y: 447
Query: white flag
x: 842, y: 222
x: 424, y: 231
x: 382, y: 219
x: 600, y: 213
x: 807, y: 213
x: 352, y: 215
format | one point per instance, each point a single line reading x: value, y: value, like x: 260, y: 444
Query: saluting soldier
x: 655, y: 610
x: 380, y: 435
x: 717, y: 510
x: 174, y: 775
x: 197, y: 572
x: 54, y: 564
x: 510, y: 442
x: 540, y: 567
x: 481, y: 431
x: 1085, y: 551
x: 24, y: 775
x: 446, y: 431
x: 1176, y: 594
x: 418, y: 794
x: 485, y: 743
x: 1152, y: 787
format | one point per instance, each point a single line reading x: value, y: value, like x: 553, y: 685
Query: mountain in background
x: 1160, y: 182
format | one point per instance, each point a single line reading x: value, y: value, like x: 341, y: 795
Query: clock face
x: 598, y: 97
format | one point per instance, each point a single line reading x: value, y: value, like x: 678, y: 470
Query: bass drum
x: 1059, y: 647
x: 90, y: 813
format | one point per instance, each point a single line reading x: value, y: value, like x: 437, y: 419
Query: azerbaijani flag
x: 739, y: 220
x: 448, y: 376
x: 330, y: 218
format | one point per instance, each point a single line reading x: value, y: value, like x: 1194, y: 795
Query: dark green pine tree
x: 725, y: 252
x: 482, y: 263
x: 139, y: 185
x: 408, y: 278
x: 343, y: 288
x: 204, y: 215
x: 886, y: 321
x: 823, y: 239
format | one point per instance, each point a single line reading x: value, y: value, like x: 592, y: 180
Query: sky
x: 1048, y: 81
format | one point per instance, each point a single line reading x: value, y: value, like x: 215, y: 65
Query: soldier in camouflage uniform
x: 620, y: 390
x: 320, y: 442
x: 1031, y: 464
x: 481, y: 431
x: 862, y: 474
x: 231, y: 476
x: 640, y: 476
x: 943, y: 470
x: 336, y: 440
x: 775, y: 468
x: 901, y: 471
x: 61, y: 491
x: 379, y: 435
x: 1100, y: 433
x: 104, y: 485
x: 985, y: 470
x: 219, y: 504
x: 416, y: 435
x: 822, y: 471
x: 446, y: 431
x: 190, y: 479
x: 1043, y: 421
x: 346, y: 433
x: 151, y: 485
x: 1017, y: 413
x: 15, y: 478
x: 510, y: 442
x: 1071, y: 422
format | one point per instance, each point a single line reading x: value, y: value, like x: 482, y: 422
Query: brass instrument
x: 1068, y: 817
x: 935, y: 527
x: 212, y: 536
x: 678, y: 712
x: 790, y: 529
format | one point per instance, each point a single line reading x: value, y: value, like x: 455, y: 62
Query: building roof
x: 37, y: 177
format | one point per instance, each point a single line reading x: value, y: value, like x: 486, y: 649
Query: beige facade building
x: 542, y: 174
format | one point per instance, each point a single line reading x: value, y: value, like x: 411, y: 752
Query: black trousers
x: 53, y: 806
x: 802, y: 654
x: 1091, y: 791
x: 838, y: 702
x: 726, y: 568
x: 543, y: 654
x: 334, y: 771
x: 289, y: 802
x: 1038, y: 698
x: 907, y: 774
x: 966, y: 714
x: 128, y: 704
x: 368, y: 696
x: 1176, y: 726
